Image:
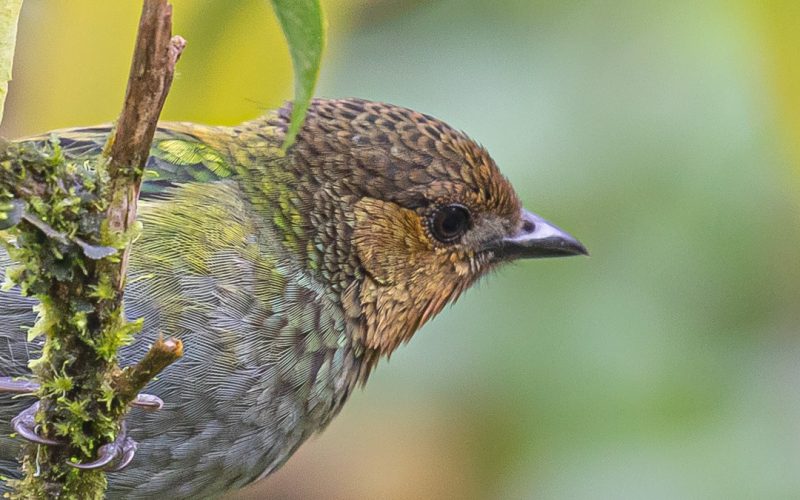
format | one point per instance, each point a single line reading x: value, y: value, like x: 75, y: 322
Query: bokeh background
x: 665, y: 135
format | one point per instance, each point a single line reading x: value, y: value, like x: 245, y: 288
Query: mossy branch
x: 73, y: 224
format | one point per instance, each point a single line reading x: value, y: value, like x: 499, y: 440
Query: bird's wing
x: 181, y: 153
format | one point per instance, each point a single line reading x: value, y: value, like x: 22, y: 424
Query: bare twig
x: 152, y: 70
x: 132, y: 379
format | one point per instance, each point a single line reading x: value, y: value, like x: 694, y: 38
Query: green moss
x: 80, y: 312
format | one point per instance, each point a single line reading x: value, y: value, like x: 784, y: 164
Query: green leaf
x: 304, y: 29
x: 9, y: 14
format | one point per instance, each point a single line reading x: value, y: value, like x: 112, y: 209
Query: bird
x: 287, y: 274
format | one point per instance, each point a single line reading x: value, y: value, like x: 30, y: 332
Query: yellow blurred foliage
x: 73, y: 57
x: 779, y: 21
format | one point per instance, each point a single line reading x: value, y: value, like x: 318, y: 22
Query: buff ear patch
x: 390, y: 240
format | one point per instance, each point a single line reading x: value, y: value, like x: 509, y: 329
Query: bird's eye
x: 450, y: 222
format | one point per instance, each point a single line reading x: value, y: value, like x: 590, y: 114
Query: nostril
x: 528, y: 227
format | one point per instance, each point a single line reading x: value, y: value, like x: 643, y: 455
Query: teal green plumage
x: 287, y: 276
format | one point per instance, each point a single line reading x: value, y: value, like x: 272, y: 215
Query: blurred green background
x: 665, y: 135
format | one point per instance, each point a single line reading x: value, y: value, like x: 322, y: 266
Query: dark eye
x: 449, y: 223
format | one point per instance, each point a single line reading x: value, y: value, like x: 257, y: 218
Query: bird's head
x: 427, y: 212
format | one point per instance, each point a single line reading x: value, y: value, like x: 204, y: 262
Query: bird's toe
x: 25, y: 425
x: 114, y: 456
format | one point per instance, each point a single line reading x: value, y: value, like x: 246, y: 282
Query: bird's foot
x: 111, y: 457
x: 114, y: 456
x: 25, y: 425
x: 148, y: 402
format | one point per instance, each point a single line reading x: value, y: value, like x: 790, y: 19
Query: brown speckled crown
x: 399, y: 153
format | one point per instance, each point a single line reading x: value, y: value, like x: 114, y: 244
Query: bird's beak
x: 537, y: 238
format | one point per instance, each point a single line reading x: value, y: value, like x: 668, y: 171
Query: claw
x: 18, y: 386
x: 121, y: 449
x: 25, y: 425
x: 128, y: 451
x: 148, y: 402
